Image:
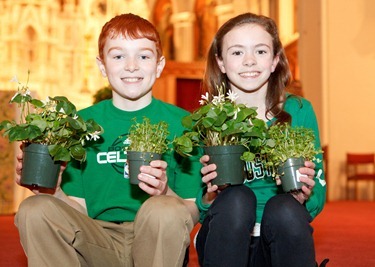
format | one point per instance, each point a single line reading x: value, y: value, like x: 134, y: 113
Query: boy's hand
x: 33, y: 189
x: 153, y: 179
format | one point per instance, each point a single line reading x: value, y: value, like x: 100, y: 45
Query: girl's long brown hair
x: 278, y: 80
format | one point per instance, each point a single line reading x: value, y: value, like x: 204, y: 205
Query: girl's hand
x: 153, y: 179
x: 308, y: 174
x: 209, y: 173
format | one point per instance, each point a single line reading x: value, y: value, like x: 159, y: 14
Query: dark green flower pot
x: 290, y: 175
x: 137, y: 159
x: 38, y: 167
x: 229, y: 167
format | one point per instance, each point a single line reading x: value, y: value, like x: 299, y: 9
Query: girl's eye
x: 261, y: 52
x: 236, y: 53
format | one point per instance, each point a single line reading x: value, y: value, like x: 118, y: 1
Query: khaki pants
x: 54, y: 234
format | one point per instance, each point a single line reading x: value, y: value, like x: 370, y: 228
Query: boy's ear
x: 160, y: 66
x: 101, y: 66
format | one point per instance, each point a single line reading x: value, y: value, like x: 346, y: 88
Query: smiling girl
x: 254, y: 224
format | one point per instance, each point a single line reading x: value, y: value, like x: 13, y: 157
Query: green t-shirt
x: 259, y: 179
x: 103, y: 179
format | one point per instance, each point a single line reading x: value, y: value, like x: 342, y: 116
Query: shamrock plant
x: 290, y: 142
x: 53, y: 122
x: 147, y: 137
x: 220, y: 121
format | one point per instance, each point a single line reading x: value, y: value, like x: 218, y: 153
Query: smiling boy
x: 96, y: 217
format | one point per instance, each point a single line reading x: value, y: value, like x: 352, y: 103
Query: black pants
x: 286, y: 234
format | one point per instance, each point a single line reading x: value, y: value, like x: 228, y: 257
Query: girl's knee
x: 283, y: 212
x: 235, y: 200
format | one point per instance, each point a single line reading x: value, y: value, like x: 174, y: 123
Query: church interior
x: 328, y: 45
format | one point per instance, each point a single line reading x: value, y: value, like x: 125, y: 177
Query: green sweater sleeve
x: 305, y: 116
x: 202, y: 207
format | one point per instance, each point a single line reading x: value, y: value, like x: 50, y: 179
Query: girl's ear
x: 275, y: 62
x: 101, y: 66
x: 160, y: 66
x: 220, y: 64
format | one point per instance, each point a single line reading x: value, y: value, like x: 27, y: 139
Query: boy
x: 95, y: 217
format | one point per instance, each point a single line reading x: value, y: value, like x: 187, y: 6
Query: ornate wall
x: 57, y: 39
x: 7, y: 157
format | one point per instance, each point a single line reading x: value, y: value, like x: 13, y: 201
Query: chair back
x: 360, y: 158
x: 360, y: 164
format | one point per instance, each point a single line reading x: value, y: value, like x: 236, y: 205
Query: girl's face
x: 247, y: 58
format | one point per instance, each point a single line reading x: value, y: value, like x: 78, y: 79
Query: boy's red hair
x: 131, y: 26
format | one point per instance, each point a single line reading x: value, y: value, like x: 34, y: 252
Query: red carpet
x: 344, y: 233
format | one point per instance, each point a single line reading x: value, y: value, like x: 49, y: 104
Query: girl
x: 253, y: 224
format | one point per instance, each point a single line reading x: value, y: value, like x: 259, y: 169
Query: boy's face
x: 131, y: 66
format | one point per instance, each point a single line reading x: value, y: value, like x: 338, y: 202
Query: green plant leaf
x: 37, y: 103
x: 78, y: 152
x: 59, y: 153
x: 24, y: 132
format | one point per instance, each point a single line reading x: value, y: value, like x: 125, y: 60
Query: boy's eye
x: 144, y: 57
x: 118, y: 57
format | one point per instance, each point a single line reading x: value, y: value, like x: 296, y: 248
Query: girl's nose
x: 249, y: 59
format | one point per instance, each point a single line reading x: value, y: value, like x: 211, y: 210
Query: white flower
x: 75, y: 117
x: 14, y: 79
x: 205, y: 97
x: 93, y: 136
x: 27, y: 92
x: 202, y: 102
x: 232, y: 96
x: 62, y: 111
x: 236, y: 112
x: 218, y: 99
x: 45, y: 102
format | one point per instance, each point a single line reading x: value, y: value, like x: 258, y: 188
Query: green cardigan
x: 260, y: 179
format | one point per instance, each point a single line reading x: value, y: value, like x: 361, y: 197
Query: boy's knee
x: 164, y: 209
x: 34, y: 208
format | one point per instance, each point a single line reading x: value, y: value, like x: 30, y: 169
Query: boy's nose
x: 131, y: 65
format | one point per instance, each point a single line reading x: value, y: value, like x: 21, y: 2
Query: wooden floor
x: 344, y: 232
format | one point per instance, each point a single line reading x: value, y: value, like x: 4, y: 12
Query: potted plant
x: 147, y: 142
x: 288, y: 151
x: 224, y: 129
x: 51, y: 131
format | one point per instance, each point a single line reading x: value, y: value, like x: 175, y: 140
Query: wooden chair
x: 359, y: 167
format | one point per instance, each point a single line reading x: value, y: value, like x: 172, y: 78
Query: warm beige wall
x: 338, y: 75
